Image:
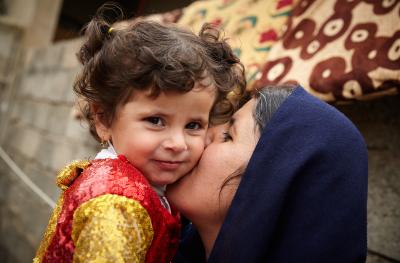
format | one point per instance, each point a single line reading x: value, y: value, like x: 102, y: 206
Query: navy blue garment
x: 303, y: 197
x: 191, y: 248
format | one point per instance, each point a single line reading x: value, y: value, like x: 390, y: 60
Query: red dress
x: 108, y: 212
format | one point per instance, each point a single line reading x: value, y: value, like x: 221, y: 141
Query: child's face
x: 162, y: 137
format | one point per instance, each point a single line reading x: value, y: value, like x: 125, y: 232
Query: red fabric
x: 338, y: 50
x: 115, y: 176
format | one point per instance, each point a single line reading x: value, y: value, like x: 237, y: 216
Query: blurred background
x: 41, y: 130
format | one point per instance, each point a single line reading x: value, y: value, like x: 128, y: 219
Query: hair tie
x: 110, y: 30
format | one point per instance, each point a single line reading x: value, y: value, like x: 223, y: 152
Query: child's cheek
x: 198, y: 151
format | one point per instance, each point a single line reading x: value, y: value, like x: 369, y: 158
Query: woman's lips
x: 168, y: 165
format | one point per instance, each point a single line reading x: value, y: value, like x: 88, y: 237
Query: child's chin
x: 163, y: 181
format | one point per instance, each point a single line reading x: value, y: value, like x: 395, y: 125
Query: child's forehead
x: 205, y: 84
x: 196, y: 103
x: 173, y: 98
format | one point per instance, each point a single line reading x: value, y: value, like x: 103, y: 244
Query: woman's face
x: 198, y: 195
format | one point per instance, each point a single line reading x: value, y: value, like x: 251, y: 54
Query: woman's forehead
x: 245, y: 112
x: 243, y: 121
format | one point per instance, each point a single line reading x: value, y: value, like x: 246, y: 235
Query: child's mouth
x: 168, y: 165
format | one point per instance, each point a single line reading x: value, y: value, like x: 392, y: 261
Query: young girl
x: 151, y: 91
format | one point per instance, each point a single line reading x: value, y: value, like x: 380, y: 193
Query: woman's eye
x: 193, y: 126
x: 155, y: 121
x: 226, y: 137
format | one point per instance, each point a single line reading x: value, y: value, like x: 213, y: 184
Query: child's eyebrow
x: 154, y: 113
x: 200, y: 119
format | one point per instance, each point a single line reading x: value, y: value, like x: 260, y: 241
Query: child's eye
x: 226, y: 137
x: 155, y: 121
x: 193, y: 126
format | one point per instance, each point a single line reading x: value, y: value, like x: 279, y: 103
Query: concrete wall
x: 42, y: 136
x: 37, y: 18
x: 20, y: 11
x: 24, y: 24
x: 379, y: 122
x: 10, y: 38
x: 44, y: 21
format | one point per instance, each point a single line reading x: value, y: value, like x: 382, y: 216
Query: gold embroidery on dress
x: 111, y: 228
x: 48, y: 235
x: 64, y: 178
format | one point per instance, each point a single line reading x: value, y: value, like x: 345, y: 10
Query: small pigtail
x: 98, y: 31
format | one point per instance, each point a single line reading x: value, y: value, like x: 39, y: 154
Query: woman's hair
x: 145, y: 55
x: 268, y: 101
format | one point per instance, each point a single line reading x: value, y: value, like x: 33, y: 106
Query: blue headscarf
x: 303, y: 197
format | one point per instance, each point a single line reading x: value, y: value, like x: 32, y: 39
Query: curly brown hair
x: 145, y: 55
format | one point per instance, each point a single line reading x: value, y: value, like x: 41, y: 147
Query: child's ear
x: 103, y: 130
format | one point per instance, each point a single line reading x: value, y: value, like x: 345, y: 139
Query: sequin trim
x: 114, y: 177
x: 111, y: 228
x: 66, y: 176
x: 49, y: 233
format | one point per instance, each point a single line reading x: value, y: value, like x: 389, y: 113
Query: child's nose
x: 176, y: 142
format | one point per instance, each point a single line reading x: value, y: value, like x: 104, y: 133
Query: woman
x: 285, y: 181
